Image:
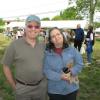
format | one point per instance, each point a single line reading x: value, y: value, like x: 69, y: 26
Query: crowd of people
x: 46, y: 65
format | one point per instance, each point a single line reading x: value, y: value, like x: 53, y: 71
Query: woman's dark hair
x: 50, y: 46
x: 90, y: 28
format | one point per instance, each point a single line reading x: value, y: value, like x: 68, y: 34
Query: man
x: 79, y: 37
x: 27, y: 55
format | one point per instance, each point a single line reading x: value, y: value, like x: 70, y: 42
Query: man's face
x: 78, y: 26
x: 32, y: 30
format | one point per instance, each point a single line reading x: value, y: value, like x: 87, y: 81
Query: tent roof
x: 70, y: 24
x: 16, y: 24
x: 97, y: 29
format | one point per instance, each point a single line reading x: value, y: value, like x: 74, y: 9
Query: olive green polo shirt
x: 28, y: 61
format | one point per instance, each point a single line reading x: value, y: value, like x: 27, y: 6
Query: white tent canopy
x: 97, y: 29
x: 70, y: 24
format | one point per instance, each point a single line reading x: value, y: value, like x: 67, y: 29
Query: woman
x: 89, y: 43
x: 59, y: 58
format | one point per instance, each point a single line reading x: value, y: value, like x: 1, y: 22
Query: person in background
x: 18, y: 34
x: 27, y: 55
x: 79, y: 37
x: 62, y: 65
x: 89, y: 41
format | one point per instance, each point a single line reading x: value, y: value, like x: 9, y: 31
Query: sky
x: 42, y: 8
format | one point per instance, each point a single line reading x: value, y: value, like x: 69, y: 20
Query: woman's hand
x: 66, y: 77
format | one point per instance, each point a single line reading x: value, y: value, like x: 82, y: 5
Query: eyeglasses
x: 33, y: 27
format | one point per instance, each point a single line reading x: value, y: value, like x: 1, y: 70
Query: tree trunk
x: 92, y: 10
x: 91, y: 18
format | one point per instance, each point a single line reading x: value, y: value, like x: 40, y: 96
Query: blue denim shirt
x: 79, y: 34
x: 53, y: 65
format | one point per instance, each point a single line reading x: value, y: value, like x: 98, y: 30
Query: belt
x: 28, y: 83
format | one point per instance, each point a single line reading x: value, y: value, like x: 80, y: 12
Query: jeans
x: 89, y: 57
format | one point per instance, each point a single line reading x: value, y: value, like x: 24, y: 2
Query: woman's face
x: 56, y: 38
x: 32, y: 30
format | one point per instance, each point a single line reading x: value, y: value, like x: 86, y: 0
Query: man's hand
x: 9, y: 76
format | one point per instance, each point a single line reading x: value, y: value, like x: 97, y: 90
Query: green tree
x: 2, y: 23
x: 87, y: 8
x: 45, y: 19
x: 96, y: 25
x: 69, y: 13
x: 57, y: 18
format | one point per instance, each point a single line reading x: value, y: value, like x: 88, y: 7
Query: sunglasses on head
x: 33, y: 27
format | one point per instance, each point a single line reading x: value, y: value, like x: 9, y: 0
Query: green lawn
x: 89, y: 78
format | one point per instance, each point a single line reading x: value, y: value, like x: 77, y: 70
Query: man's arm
x: 9, y: 76
x: 82, y: 35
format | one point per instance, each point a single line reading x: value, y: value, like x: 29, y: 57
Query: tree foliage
x: 96, y: 25
x: 2, y: 22
x: 58, y: 17
x: 69, y: 13
x: 45, y: 19
x: 98, y: 5
x: 87, y: 8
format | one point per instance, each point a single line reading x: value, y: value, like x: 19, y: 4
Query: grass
x: 89, y: 78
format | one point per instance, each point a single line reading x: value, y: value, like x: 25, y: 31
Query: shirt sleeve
x: 8, y: 57
x: 78, y: 63
x: 82, y: 35
x: 91, y: 36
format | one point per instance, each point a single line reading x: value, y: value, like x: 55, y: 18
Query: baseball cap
x: 31, y: 18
